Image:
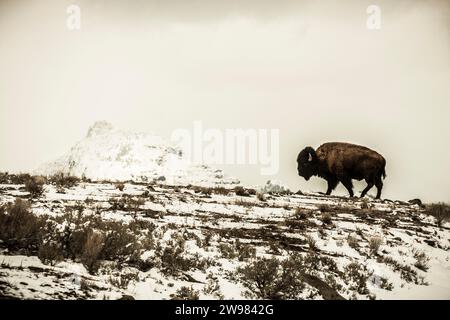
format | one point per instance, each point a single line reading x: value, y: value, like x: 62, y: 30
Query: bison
x: 341, y: 162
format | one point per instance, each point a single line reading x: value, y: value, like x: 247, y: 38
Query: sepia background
x: 312, y: 69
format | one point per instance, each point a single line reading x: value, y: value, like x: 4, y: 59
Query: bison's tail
x: 384, y: 173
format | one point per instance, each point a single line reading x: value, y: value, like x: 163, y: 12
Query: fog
x: 312, y: 70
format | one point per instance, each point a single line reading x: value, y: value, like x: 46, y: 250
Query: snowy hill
x: 154, y: 241
x: 110, y: 154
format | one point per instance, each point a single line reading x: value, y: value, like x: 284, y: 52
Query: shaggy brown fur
x: 341, y: 162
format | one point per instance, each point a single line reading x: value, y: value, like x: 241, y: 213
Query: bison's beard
x: 305, y: 176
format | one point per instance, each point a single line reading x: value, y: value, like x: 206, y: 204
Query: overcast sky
x: 309, y: 68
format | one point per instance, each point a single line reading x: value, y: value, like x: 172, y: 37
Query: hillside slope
x: 188, y: 242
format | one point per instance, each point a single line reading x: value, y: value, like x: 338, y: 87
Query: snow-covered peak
x: 99, y: 128
x: 107, y: 153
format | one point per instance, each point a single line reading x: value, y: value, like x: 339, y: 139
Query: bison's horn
x: 309, y: 157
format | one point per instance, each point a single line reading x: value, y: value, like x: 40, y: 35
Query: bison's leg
x: 347, y: 182
x: 379, y: 185
x: 369, y: 186
x: 332, y: 183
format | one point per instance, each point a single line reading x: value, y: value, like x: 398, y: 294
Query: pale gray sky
x: 310, y: 68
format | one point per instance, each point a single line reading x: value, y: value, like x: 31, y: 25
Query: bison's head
x: 307, y: 163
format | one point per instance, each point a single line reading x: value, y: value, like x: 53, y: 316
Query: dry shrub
x: 134, y: 204
x: 315, y: 264
x: 228, y: 251
x: 127, y: 203
x: 300, y: 214
x: 35, y: 186
x: 242, y: 251
x: 185, y: 293
x: 212, y: 287
x: 72, y: 236
x: 325, y: 208
x: 385, y: 284
x: 421, y: 260
x: 78, y: 240
x: 365, y: 204
x: 174, y: 261
x: 117, y: 204
x: 123, y: 279
x: 374, y: 244
x: 245, y: 250
x: 50, y: 253
x: 6, y: 178
x: 356, y: 276
x: 243, y: 203
x: 312, y: 244
x: 62, y: 180
x: 326, y: 218
x: 139, y: 225
x: 91, y: 251
x: 76, y: 228
x: 440, y: 211
x: 119, y: 243
x: 221, y: 190
x: 241, y: 191
x: 261, y: 196
x: 353, y: 242
x: 85, y: 285
x: 267, y: 278
x: 120, y: 186
x: 293, y: 224
x: 203, y: 190
x: 19, y: 227
x: 407, y: 273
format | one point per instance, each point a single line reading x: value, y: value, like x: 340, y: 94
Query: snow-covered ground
x: 356, y: 249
